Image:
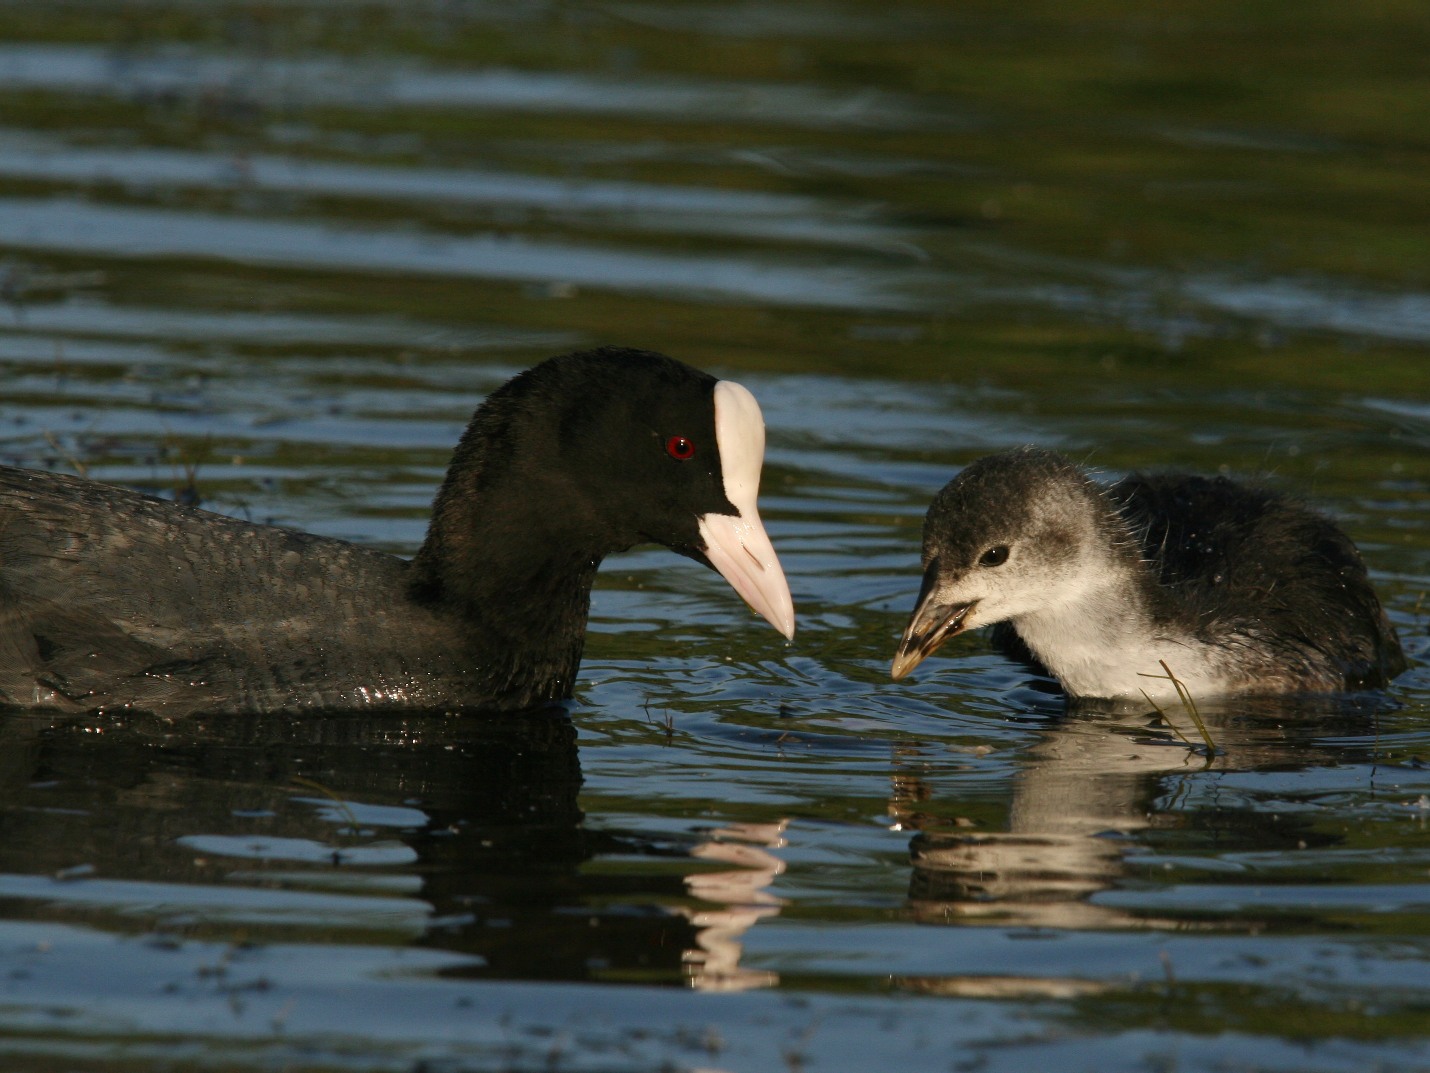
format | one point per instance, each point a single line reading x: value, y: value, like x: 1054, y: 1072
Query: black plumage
x: 110, y: 599
x: 1245, y: 561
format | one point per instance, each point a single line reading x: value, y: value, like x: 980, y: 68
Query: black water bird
x: 111, y: 600
x: 1235, y: 589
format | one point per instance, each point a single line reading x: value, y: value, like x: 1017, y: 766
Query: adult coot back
x: 110, y: 599
x: 1236, y: 589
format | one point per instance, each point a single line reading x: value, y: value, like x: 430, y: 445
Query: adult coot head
x: 598, y: 451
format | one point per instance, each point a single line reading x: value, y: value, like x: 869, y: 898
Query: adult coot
x: 110, y: 599
x: 1237, y: 589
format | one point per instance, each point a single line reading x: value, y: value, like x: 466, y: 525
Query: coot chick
x: 1237, y: 589
x: 110, y: 599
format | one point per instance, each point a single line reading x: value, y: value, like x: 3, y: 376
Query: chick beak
x: 933, y: 622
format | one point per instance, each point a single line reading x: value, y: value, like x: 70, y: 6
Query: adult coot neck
x: 519, y: 605
x: 509, y: 560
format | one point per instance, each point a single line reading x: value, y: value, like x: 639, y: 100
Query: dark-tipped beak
x: 932, y: 623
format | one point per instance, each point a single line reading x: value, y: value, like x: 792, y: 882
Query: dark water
x: 274, y: 254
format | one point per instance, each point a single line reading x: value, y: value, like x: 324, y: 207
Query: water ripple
x: 638, y: 206
x: 371, y: 84
x: 114, y: 231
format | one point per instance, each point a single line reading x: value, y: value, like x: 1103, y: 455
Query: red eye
x: 679, y: 448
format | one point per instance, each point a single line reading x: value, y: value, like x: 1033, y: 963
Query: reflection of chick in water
x: 1083, y: 786
x: 1089, y: 787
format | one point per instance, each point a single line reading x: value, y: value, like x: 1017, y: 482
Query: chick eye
x: 679, y: 448
x: 994, y: 556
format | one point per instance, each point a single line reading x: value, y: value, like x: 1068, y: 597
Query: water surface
x: 272, y: 256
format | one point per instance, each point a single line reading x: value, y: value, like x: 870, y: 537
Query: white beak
x: 737, y: 544
x: 740, y: 549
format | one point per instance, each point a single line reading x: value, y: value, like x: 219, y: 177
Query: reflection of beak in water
x: 715, y: 964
